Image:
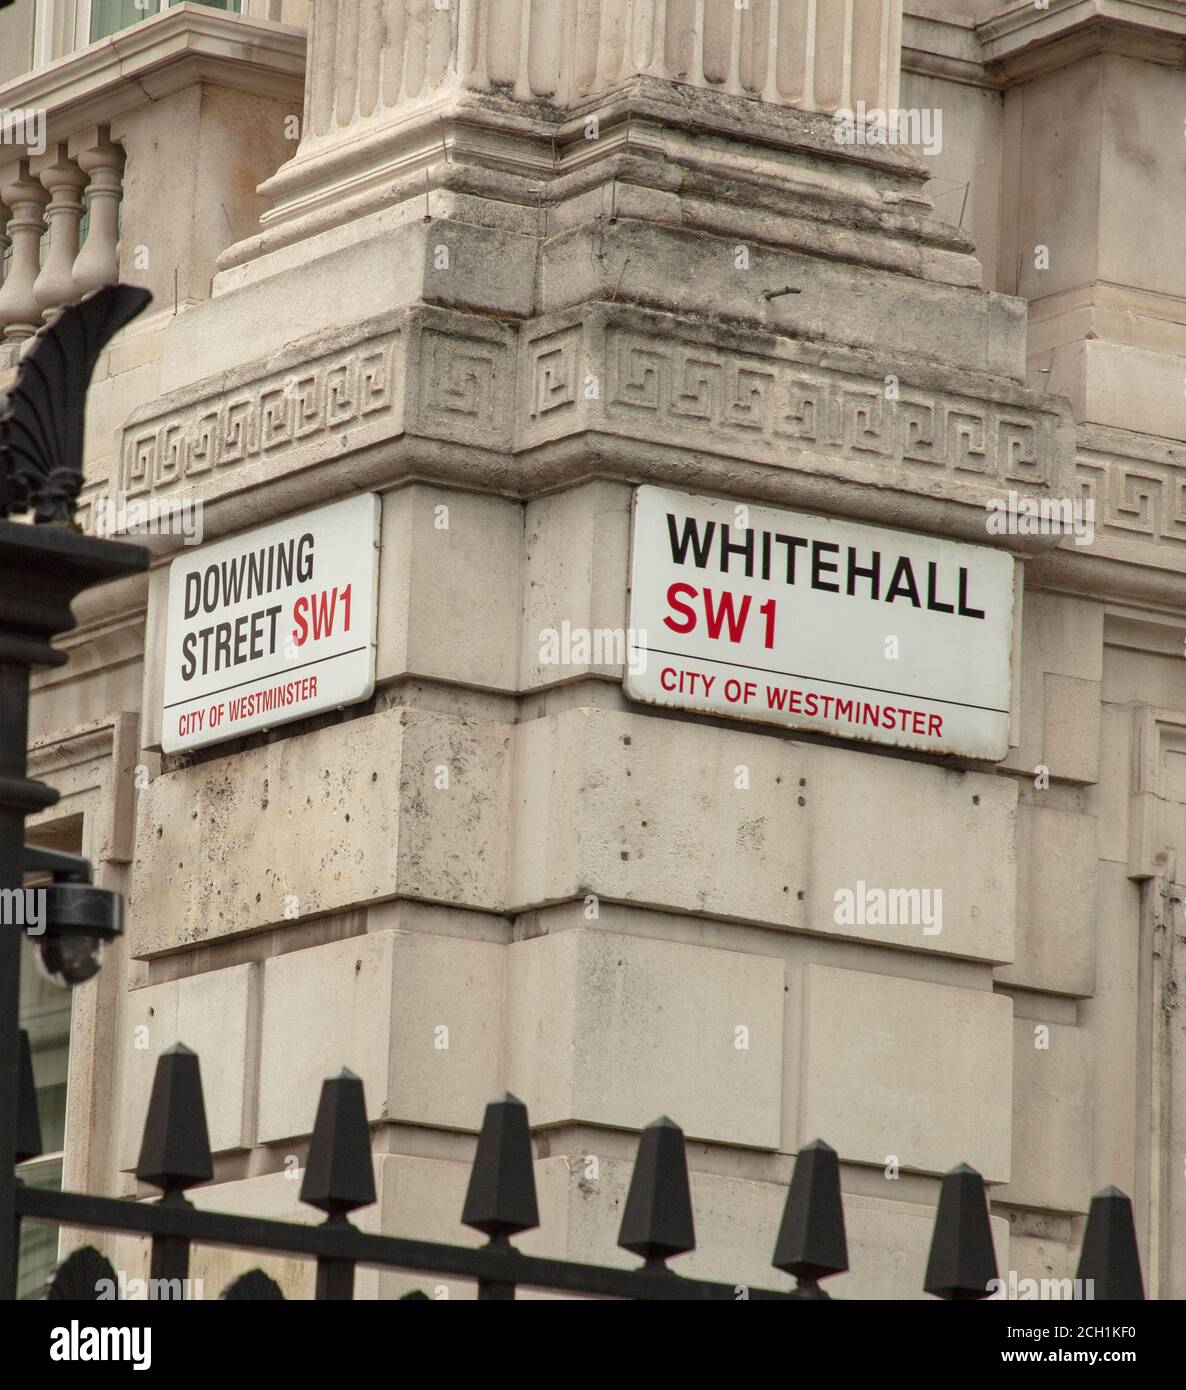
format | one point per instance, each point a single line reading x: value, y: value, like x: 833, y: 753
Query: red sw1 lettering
x: 719, y: 612
x: 316, y: 614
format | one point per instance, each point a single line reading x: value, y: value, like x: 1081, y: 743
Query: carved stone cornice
x: 782, y: 402
x: 542, y: 156
x: 1024, y: 41
x: 600, y: 372
x: 181, y: 46
x: 617, y: 391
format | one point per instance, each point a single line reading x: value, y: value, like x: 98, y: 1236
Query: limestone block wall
x: 468, y: 910
x: 591, y: 907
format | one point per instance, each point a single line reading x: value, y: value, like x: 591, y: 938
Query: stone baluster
x: 103, y: 160
x: 64, y: 181
x: 5, y: 239
x: 20, y: 313
x: 7, y: 353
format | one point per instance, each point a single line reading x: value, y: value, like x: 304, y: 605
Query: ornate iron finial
x: 500, y: 1200
x: 41, y: 422
x: 657, y: 1222
x: 175, y: 1152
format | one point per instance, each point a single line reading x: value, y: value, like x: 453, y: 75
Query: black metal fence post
x: 43, y: 568
x: 1109, y: 1262
x: 657, y: 1221
x: 962, y: 1264
x: 811, y: 1241
x: 500, y: 1200
x: 339, y: 1177
x: 174, y: 1155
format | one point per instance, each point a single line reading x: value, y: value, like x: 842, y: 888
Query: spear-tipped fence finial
x: 657, y: 1222
x: 339, y: 1175
x: 1110, y: 1257
x: 500, y: 1200
x: 962, y: 1263
x: 811, y: 1242
x: 175, y: 1151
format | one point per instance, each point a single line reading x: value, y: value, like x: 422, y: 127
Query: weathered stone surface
x: 216, y: 838
x: 615, y: 1030
x: 1054, y: 1105
x: 418, y: 1017
x: 1057, y: 895
x: 907, y: 1071
x: 576, y: 556
x: 216, y: 1015
x: 449, y: 587
x: 650, y: 810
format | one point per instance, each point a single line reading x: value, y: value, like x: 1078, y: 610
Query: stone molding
x: 662, y: 380
x: 182, y: 45
x: 1024, y: 42
x: 618, y: 391
x: 533, y: 154
x: 92, y: 765
x: 1148, y: 854
x: 421, y: 371
x: 605, y: 370
x: 1139, y: 500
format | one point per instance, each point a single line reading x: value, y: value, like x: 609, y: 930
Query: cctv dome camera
x: 79, y: 918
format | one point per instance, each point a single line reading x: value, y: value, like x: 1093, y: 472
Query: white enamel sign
x: 832, y: 626
x: 272, y: 625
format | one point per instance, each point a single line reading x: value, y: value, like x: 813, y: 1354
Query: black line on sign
x: 848, y: 685
x: 260, y: 680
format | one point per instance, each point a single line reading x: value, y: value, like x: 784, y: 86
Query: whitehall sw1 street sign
x: 272, y: 625
x: 831, y: 626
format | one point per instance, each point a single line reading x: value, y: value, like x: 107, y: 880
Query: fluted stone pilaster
x: 368, y: 58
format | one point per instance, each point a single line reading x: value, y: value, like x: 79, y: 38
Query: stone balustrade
x: 44, y: 198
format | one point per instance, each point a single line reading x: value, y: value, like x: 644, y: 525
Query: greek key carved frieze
x: 737, y: 395
x: 260, y: 419
x: 1135, y: 498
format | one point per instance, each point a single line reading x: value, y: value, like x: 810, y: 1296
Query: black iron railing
x: 657, y: 1222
